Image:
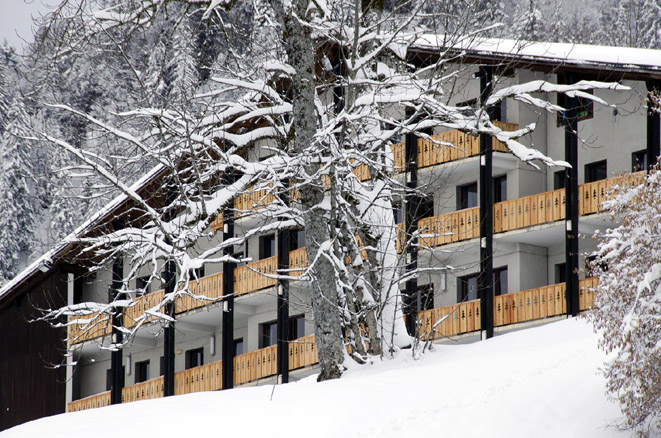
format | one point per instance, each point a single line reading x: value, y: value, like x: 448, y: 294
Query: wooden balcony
x: 517, y: 213
x: 513, y: 308
x: 87, y: 328
x: 431, y: 152
x: 528, y: 305
x: 254, y: 200
x: 450, y: 227
x: 247, y: 278
x: 248, y: 367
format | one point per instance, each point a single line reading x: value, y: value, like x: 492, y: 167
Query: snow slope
x: 538, y: 382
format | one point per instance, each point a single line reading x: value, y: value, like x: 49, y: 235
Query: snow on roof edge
x: 626, y: 57
x: 47, y: 258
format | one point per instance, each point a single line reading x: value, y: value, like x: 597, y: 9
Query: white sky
x: 16, y: 19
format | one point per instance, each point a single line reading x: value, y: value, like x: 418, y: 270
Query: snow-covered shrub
x: 627, y: 307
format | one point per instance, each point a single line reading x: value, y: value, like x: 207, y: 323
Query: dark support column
x: 653, y: 123
x: 412, y: 202
x: 571, y: 202
x: 283, y: 307
x: 485, y: 279
x: 170, y: 276
x: 116, y: 371
x: 170, y: 279
x: 228, y: 302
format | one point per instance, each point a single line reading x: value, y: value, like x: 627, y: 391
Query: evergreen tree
x: 16, y: 200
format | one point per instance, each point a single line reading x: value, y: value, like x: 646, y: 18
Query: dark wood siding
x: 29, y: 386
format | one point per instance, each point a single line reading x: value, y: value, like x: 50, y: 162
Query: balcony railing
x: 452, y: 227
x: 248, y: 367
x: 436, y: 150
x: 528, y: 305
x: 89, y: 327
x: 513, y: 308
x: 517, y: 213
x: 248, y: 278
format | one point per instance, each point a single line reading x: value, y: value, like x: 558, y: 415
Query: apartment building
x: 526, y: 258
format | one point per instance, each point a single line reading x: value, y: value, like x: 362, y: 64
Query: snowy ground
x: 539, y: 382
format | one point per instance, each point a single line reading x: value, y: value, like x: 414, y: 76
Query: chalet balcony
x: 463, y: 318
x: 516, y: 214
x: 430, y: 152
x: 248, y: 367
x: 248, y: 278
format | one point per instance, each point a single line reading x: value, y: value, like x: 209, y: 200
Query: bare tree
x: 325, y: 88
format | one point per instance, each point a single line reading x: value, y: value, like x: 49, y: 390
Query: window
x: 194, y: 358
x: 296, y: 327
x: 426, y: 207
x: 141, y: 371
x: 109, y: 378
x: 500, y: 188
x: 268, y: 334
x: 238, y: 346
x: 162, y: 365
x: 268, y: 331
x: 468, y: 285
x: 559, y: 179
x: 296, y: 239
x: 639, y: 161
x: 467, y: 196
x: 583, y: 110
x: 560, y: 274
x: 595, y: 171
x: 467, y: 288
x: 426, y: 294
x: 500, y: 286
x: 266, y: 246
x: 143, y: 285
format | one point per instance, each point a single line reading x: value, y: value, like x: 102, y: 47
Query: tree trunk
x: 324, y: 293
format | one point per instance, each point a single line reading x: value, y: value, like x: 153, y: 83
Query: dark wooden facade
x: 30, y: 387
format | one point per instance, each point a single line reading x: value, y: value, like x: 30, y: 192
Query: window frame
x: 263, y: 240
x: 497, y: 281
x: 559, y: 179
x: 462, y: 201
x: 192, y: 357
x: 295, y: 239
x: 560, y: 272
x: 636, y: 165
x: 142, y: 371
x: 590, y: 168
x: 584, y: 110
x: 265, y: 334
x: 496, y: 189
x: 426, y: 297
x: 463, y: 287
x: 236, y: 343
x: 425, y: 207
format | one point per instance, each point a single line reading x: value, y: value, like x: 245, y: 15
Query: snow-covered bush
x: 627, y: 307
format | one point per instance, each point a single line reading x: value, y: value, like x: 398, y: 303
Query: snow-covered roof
x: 46, y: 261
x: 580, y: 55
